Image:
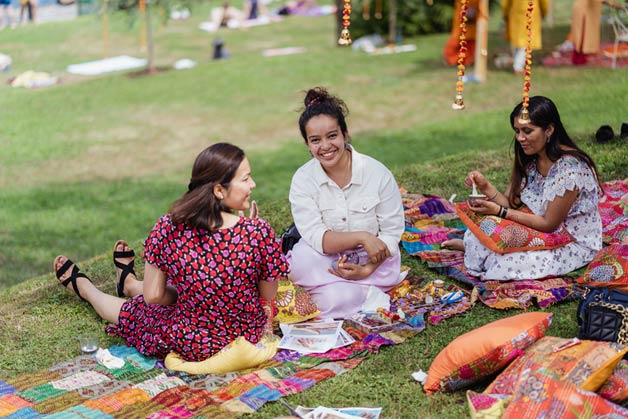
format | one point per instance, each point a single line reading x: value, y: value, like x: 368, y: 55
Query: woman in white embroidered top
x: 347, y: 208
x: 558, y: 182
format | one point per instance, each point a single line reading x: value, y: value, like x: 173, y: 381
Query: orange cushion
x: 505, y: 236
x: 485, y: 351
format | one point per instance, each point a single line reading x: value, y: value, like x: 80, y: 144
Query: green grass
x: 97, y: 159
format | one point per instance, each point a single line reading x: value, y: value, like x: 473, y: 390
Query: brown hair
x: 199, y: 207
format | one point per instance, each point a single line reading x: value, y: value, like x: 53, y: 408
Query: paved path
x: 55, y: 12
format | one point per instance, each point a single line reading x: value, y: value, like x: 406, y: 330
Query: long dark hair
x: 543, y: 113
x: 318, y: 101
x: 199, y: 207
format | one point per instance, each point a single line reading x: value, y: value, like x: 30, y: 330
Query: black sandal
x: 74, y: 275
x: 127, y: 268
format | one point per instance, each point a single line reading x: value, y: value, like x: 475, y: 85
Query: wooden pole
x: 550, y: 13
x: 481, y: 41
x: 392, y: 30
x: 143, y: 27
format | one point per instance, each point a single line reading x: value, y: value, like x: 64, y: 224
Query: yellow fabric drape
x: 514, y: 12
x: 585, y: 25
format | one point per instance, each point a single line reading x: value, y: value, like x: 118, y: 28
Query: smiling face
x: 325, y: 140
x: 532, y: 138
x: 237, y: 196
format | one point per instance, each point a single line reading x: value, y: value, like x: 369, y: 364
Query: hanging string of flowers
x: 366, y: 10
x: 462, y: 54
x: 524, y: 117
x: 345, y: 36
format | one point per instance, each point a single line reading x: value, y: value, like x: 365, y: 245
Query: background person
x: 514, y: 14
x: 348, y: 209
x: 558, y: 182
x: 207, y: 270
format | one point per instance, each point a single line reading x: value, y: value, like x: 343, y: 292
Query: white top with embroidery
x: 568, y: 173
x: 583, y: 222
x: 370, y: 202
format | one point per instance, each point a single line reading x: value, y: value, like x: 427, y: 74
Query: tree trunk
x: 392, y: 23
x: 150, y: 60
x: 339, y: 9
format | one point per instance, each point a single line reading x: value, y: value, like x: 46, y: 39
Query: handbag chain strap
x: 622, y: 336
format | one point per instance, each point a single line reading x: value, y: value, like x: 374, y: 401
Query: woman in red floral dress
x: 207, y: 270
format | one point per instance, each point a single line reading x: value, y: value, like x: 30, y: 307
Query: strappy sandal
x: 127, y: 268
x: 74, y: 275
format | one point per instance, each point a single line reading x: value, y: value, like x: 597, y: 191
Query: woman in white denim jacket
x: 347, y: 208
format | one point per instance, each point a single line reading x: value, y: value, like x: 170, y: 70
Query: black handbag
x: 289, y: 238
x: 603, y: 315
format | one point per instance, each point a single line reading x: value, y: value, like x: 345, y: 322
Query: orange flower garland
x: 345, y: 36
x: 524, y: 117
x: 462, y: 54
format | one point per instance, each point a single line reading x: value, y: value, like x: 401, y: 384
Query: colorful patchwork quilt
x: 143, y: 388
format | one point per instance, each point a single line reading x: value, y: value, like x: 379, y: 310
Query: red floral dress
x: 216, y: 277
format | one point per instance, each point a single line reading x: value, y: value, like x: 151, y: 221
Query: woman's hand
x: 352, y: 272
x: 482, y: 184
x: 485, y: 207
x: 253, y: 211
x: 375, y: 247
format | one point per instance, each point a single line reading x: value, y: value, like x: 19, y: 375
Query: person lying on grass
x: 348, y: 210
x: 207, y: 269
x: 557, y: 182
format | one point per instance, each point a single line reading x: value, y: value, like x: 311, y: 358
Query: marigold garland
x: 524, y: 117
x: 345, y: 36
x: 462, y: 54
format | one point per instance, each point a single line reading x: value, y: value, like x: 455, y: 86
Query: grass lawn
x: 96, y: 159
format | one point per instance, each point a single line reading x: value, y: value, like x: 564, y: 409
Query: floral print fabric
x: 583, y: 223
x: 505, y: 236
x: 216, y: 277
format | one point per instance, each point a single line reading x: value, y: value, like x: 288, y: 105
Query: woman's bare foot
x: 126, y: 279
x: 453, y: 244
x: 69, y: 274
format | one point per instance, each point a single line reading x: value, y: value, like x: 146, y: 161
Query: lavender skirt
x: 337, y: 297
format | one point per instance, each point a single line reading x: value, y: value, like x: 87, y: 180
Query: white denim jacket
x: 370, y: 202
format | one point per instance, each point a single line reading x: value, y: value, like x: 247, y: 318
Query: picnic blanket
x: 143, y: 388
x: 430, y: 220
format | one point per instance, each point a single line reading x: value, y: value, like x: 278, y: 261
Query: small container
x: 473, y: 199
x: 88, y: 343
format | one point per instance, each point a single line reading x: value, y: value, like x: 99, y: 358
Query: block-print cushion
x: 610, y: 265
x: 293, y: 303
x: 506, y: 236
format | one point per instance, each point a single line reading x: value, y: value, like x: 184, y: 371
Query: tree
x: 143, y: 9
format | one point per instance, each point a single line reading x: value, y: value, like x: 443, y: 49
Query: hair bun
x: 315, y: 95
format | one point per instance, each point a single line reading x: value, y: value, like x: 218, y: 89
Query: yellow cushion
x: 238, y: 355
x: 294, y: 304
